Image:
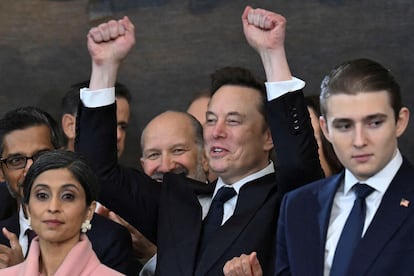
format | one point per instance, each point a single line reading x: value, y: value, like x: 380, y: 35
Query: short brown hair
x: 360, y: 76
x: 240, y: 76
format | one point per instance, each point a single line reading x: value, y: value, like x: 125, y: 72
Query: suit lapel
x: 251, y: 197
x: 325, y: 199
x: 326, y: 195
x: 12, y: 224
x: 184, y: 217
x: 387, y: 220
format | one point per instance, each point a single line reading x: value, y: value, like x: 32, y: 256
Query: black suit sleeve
x: 295, y: 145
x: 128, y: 192
x: 111, y: 243
x: 8, y: 204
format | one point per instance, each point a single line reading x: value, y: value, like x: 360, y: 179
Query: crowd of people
x: 254, y: 179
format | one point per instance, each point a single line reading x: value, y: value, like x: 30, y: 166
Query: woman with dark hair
x: 329, y: 162
x: 60, y: 190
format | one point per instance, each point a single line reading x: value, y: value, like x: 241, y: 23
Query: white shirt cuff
x: 277, y: 89
x: 97, y: 98
x: 149, y: 267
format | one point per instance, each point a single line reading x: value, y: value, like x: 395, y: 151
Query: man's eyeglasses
x: 17, y: 162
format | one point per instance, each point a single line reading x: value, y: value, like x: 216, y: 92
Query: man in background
x: 198, y: 108
x: 70, y: 103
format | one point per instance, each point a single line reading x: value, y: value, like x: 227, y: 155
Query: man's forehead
x: 28, y: 140
x: 169, y: 124
x: 361, y: 100
x: 235, y: 99
x: 242, y: 93
x: 169, y: 144
x: 122, y: 104
x: 380, y: 95
x: 37, y: 132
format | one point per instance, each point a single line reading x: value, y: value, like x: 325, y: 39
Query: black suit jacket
x: 170, y: 213
x: 8, y: 204
x: 110, y: 241
x: 386, y: 248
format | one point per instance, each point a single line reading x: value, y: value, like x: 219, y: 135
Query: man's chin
x: 157, y: 178
x: 13, y: 193
x: 217, y: 169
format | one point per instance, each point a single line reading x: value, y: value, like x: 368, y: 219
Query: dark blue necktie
x: 352, y: 231
x: 30, y: 235
x: 214, y: 217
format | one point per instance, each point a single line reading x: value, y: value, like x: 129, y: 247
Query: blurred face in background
x: 169, y: 144
x: 318, y: 132
x: 198, y: 109
x: 19, y: 144
x: 122, y: 120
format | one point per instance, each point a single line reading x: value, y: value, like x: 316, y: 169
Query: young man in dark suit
x: 362, y: 116
x: 26, y: 133
x: 176, y: 213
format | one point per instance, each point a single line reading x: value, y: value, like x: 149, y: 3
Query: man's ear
x: 324, y: 127
x: 69, y: 125
x: 141, y: 160
x: 402, y: 121
x: 204, y: 162
x: 268, y: 140
x: 2, y: 179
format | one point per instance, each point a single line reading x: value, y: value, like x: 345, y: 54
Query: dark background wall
x: 179, y: 43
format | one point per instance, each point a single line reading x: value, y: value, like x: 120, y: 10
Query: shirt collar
x: 237, y: 185
x: 23, y: 222
x: 379, y: 181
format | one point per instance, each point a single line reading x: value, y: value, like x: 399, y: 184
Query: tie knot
x: 362, y: 190
x: 224, y: 194
x: 30, y: 233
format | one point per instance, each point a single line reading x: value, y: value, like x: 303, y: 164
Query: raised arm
x: 108, y: 44
x: 265, y: 32
x: 289, y: 121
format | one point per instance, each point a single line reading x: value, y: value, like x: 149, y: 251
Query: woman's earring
x: 86, y: 226
x: 29, y: 222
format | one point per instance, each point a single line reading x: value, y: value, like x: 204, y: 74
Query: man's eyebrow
x: 151, y: 150
x: 235, y: 113
x: 376, y: 116
x: 339, y: 120
x: 231, y: 113
x: 14, y: 155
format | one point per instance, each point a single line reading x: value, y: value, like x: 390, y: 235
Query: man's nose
x: 167, y: 164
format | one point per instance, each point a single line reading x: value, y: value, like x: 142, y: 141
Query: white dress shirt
x: 344, y: 201
x: 24, y: 225
x: 230, y: 205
